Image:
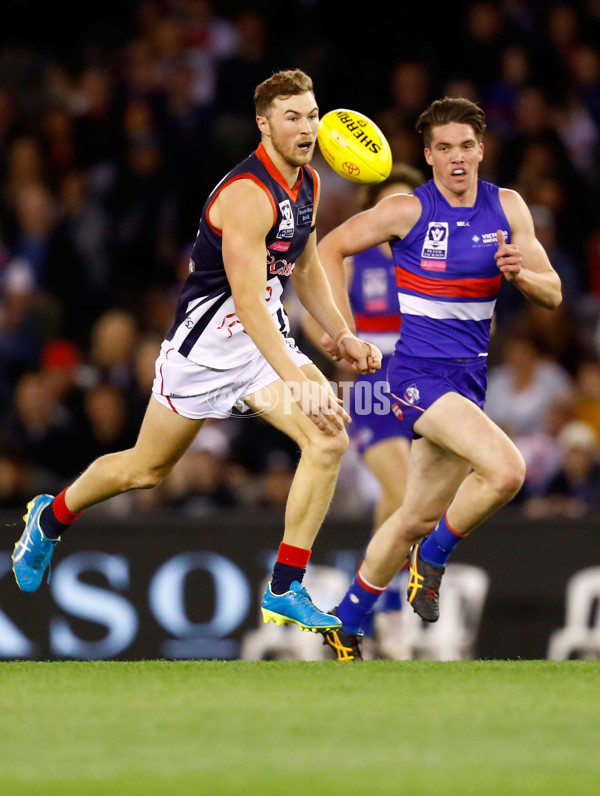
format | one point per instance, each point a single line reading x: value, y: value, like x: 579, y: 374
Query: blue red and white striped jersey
x: 446, y: 275
x: 206, y: 328
x: 374, y: 299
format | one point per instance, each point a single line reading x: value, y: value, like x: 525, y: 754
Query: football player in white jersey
x: 266, y: 207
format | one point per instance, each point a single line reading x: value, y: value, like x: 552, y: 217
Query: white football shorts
x: 199, y: 392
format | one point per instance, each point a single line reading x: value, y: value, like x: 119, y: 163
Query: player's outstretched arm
x: 524, y: 261
x: 392, y: 217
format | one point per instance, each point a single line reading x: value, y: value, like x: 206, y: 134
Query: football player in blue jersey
x: 230, y: 346
x: 453, y: 242
x: 370, y: 306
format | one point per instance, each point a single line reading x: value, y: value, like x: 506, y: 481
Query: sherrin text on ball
x: 354, y: 146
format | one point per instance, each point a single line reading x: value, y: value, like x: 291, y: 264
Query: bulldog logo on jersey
x: 286, y: 225
x: 412, y: 395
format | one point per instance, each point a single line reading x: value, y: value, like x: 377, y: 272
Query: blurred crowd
x: 110, y: 141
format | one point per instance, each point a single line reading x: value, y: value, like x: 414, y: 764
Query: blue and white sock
x: 440, y: 543
x: 357, y: 603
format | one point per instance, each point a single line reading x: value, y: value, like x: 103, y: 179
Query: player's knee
x: 510, y: 476
x: 136, y: 472
x: 149, y: 476
x: 331, y: 449
x: 152, y: 478
x: 327, y: 448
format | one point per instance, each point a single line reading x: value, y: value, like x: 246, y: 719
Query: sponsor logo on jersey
x: 286, y: 225
x: 279, y: 245
x: 412, y: 395
x: 433, y: 265
x: 397, y: 410
x: 279, y: 267
x: 304, y: 215
x: 488, y: 239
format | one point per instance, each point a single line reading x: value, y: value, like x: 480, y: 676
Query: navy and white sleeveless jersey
x: 447, y: 278
x: 206, y: 328
x: 374, y: 299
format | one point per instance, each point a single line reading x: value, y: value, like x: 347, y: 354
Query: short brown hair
x: 401, y: 172
x: 447, y: 110
x: 287, y: 83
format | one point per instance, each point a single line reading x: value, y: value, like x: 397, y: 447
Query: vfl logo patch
x: 412, y: 395
x: 435, y: 245
x: 286, y: 225
x: 374, y: 284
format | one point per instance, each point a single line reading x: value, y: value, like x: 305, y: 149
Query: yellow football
x: 354, y: 146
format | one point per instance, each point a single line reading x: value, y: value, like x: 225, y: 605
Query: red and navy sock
x: 290, y: 565
x: 358, y: 602
x: 440, y: 543
x: 56, y: 518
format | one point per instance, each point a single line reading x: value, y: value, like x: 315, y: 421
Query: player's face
x: 292, y: 127
x: 455, y: 155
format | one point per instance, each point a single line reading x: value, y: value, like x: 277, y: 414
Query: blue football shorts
x: 417, y: 382
x: 370, y: 407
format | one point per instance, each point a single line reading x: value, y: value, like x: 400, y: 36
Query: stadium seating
x: 580, y: 637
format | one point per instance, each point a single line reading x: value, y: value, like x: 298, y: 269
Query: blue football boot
x: 32, y: 553
x: 295, y: 607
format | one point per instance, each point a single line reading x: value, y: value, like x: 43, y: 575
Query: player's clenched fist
x: 364, y: 357
x: 508, y: 257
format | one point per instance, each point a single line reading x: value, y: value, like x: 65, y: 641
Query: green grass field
x: 380, y: 727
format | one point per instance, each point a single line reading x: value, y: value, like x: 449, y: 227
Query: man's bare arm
x: 524, y: 262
